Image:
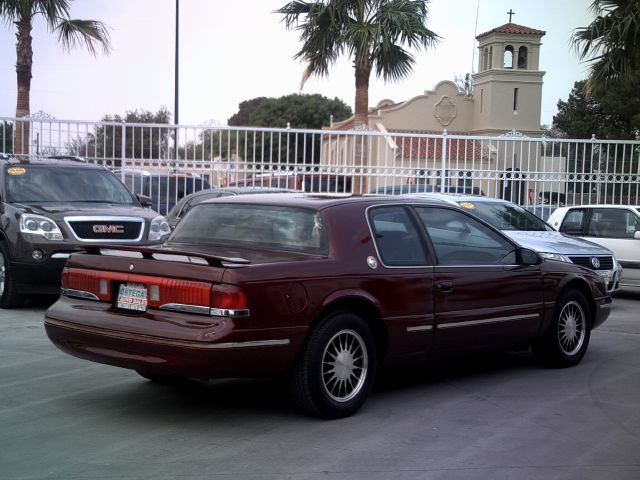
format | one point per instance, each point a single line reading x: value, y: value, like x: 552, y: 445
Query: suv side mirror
x: 144, y: 200
x: 529, y: 257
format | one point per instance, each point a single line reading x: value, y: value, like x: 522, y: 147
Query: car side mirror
x: 144, y: 200
x: 529, y: 257
x: 637, y: 235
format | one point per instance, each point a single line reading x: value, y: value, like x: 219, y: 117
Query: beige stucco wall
x: 421, y: 113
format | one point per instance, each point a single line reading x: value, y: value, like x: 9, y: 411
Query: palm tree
x: 611, y: 43
x: 371, y: 32
x: 70, y: 33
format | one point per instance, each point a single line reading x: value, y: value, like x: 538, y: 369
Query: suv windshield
x: 506, y: 216
x: 253, y: 226
x: 53, y: 184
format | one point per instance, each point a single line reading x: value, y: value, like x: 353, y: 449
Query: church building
x: 506, y: 101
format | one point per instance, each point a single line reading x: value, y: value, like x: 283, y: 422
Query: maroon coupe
x: 322, y: 289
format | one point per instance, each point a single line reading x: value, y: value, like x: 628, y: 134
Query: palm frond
x: 89, y: 33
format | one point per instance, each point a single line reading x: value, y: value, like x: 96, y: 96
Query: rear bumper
x: 167, y: 343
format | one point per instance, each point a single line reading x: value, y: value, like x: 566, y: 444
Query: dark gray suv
x: 51, y: 208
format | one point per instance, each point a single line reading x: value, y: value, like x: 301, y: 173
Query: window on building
x: 515, y: 99
x: 508, y: 57
x: 485, y: 58
x: 522, y: 57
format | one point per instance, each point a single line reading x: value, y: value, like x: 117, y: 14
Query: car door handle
x: 444, y: 287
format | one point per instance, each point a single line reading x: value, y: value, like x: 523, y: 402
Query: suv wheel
x: 9, y: 296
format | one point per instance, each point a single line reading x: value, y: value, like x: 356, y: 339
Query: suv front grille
x: 106, y: 229
x: 606, y: 262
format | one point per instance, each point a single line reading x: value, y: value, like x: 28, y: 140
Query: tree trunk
x: 24, y: 62
x: 361, y: 122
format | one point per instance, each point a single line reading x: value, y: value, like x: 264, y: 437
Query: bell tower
x: 508, y: 82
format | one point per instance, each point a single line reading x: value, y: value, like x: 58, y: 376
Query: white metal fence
x: 528, y: 171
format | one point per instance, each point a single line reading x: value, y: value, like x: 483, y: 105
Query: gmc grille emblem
x: 108, y: 229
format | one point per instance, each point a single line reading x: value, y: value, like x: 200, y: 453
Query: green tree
x: 607, y: 115
x: 70, y: 33
x: 610, y: 45
x: 295, y: 111
x: 371, y: 32
x: 141, y: 142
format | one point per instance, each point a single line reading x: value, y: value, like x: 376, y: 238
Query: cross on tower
x: 510, y: 13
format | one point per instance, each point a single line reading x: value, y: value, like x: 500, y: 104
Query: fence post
x: 123, y: 147
x: 443, y: 159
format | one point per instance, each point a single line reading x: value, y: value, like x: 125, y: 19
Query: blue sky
x: 232, y: 51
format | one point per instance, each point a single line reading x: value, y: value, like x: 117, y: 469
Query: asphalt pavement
x: 492, y: 417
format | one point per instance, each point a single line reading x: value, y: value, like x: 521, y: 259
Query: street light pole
x: 177, y: 91
x: 175, y: 113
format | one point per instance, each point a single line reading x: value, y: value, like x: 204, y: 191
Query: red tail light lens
x: 164, y: 293
x: 228, y: 297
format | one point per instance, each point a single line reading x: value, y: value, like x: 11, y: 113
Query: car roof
x: 320, y: 201
x: 59, y: 161
x: 599, y: 206
x: 456, y: 197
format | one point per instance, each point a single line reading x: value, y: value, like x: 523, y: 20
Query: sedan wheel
x: 336, y: 368
x: 566, y: 340
x: 571, y: 328
x: 344, y: 366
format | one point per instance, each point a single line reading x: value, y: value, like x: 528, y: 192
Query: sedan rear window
x: 253, y: 226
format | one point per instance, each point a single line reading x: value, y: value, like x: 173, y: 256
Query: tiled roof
x: 421, y: 148
x: 513, y: 28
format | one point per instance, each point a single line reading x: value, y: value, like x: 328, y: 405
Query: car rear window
x: 253, y: 226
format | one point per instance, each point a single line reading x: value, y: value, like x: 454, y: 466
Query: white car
x: 532, y: 232
x: 616, y: 227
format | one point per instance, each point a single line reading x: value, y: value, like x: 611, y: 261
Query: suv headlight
x: 555, y: 256
x: 159, y: 229
x: 39, y: 225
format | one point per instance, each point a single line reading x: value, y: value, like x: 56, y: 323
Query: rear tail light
x: 163, y: 293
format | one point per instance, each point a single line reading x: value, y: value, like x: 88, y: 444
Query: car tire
x: 336, y: 367
x: 566, y: 340
x: 9, y: 295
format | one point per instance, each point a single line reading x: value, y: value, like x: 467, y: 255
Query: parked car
x: 616, y: 227
x: 51, y: 208
x: 424, y: 188
x: 300, y: 181
x: 324, y: 290
x: 187, y: 203
x: 164, y: 188
x: 532, y: 232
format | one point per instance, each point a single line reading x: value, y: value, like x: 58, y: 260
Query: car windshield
x: 253, y: 226
x: 505, y: 216
x: 54, y: 184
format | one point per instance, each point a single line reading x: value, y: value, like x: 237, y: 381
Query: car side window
x: 396, y: 237
x: 459, y: 239
x: 572, y: 224
x: 612, y: 223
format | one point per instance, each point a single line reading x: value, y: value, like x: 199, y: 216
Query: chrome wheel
x: 571, y: 328
x: 344, y: 365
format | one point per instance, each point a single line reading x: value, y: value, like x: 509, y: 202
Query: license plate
x: 605, y: 274
x: 132, y: 296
